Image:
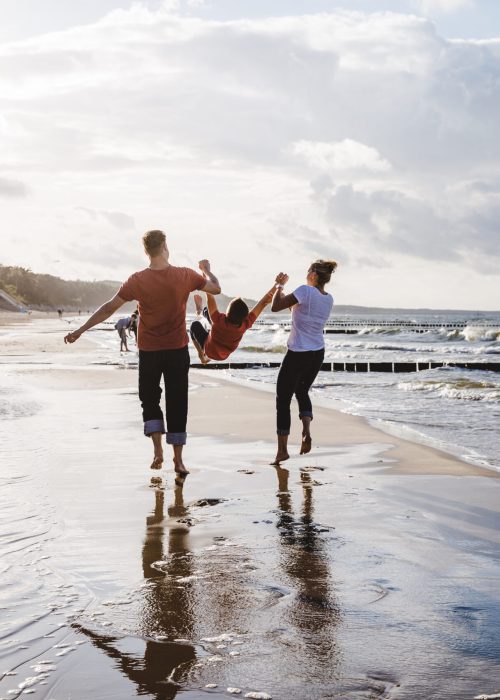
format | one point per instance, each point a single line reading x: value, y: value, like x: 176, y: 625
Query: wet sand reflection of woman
x: 304, y: 559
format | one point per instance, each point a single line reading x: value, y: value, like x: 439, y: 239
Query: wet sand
x: 367, y: 569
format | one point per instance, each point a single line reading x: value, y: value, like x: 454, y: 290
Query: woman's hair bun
x: 324, y: 269
x: 325, y: 265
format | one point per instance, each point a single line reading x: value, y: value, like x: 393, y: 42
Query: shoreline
x: 410, y: 457
x: 400, y: 454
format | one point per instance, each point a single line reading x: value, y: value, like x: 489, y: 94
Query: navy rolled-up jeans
x: 173, y: 366
x: 297, y: 373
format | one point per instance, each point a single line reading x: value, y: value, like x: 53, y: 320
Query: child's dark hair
x: 237, y: 311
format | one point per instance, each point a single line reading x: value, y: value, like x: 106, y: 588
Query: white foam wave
x: 462, y: 389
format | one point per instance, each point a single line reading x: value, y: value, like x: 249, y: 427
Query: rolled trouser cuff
x: 154, y: 426
x: 280, y: 431
x: 176, y: 438
x: 306, y: 414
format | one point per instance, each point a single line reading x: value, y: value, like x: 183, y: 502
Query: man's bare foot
x: 306, y: 444
x: 198, y: 302
x: 180, y: 469
x: 157, y: 462
x: 280, y: 457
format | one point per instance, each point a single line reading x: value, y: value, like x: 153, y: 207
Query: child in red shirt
x: 226, y: 330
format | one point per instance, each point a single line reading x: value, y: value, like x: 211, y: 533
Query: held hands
x: 72, y: 337
x: 204, y: 266
x: 269, y: 296
x: 282, y: 278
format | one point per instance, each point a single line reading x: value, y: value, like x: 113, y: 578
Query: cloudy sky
x: 261, y: 134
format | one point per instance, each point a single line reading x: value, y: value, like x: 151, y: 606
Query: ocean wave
x: 281, y: 349
x: 462, y: 389
x: 480, y: 333
x: 471, y: 333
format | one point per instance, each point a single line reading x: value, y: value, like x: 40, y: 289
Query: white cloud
x: 12, y: 188
x: 220, y: 131
x: 430, y: 7
x: 342, y: 155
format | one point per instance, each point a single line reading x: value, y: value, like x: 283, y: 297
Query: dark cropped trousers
x: 173, y: 366
x: 296, y: 376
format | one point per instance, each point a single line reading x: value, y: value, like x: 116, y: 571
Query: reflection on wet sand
x: 166, y: 610
x: 303, y: 558
x: 243, y: 605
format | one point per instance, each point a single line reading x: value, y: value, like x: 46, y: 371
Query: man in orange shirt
x: 161, y: 291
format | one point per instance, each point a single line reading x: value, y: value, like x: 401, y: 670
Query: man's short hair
x: 153, y: 242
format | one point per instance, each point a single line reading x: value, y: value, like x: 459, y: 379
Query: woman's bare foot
x: 280, y: 457
x: 198, y: 302
x: 282, y: 453
x: 306, y: 444
x: 306, y: 435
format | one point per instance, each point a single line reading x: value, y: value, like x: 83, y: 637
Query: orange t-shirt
x: 224, y: 338
x: 162, y: 297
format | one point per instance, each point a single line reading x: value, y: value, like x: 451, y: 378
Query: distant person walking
x: 122, y: 326
x: 161, y: 291
x: 311, y: 307
x: 134, y: 322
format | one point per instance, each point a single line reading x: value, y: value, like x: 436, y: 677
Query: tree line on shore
x: 47, y: 292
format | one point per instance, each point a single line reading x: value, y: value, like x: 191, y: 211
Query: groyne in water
x: 352, y: 327
x: 360, y: 366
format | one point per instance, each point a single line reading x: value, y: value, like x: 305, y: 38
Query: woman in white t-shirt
x: 311, y: 307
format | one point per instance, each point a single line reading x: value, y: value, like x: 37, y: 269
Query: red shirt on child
x: 224, y: 338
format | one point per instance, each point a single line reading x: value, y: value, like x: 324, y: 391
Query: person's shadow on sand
x: 166, y: 609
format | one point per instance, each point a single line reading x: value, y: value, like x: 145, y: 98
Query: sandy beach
x: 366, y: 569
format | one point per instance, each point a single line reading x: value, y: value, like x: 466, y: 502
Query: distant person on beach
x: 225, y: 330
x: 161, y: 291
x: 121, y: 326
x: 311, y: 307
x: 59, y: 313
x: 134, y: 321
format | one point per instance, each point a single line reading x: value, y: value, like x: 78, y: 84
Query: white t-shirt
x: 308, y: 319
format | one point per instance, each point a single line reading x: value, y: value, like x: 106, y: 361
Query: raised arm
x: 282, y: 301
x: 212, y: 285
x: 261, y: 305
x: 211, y: 304
x: 102, y: 313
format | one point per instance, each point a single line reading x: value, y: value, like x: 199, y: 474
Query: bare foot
x: 198, y: 302
x: 306, y: 444
x: 203, y: 358
x: 180, y: 469
x: 157, y: 462
x: 280, y: 457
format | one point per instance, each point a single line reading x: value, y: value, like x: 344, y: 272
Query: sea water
x: 457, y: 410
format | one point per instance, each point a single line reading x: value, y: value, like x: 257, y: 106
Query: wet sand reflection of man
x: 166, y: 609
